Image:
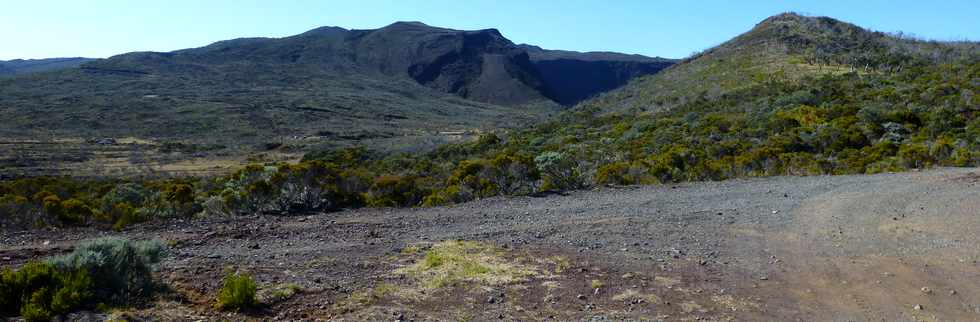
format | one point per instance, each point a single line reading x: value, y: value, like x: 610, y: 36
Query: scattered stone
x: 492, y: 300
x: 918, y: 307
x: 106, y: 141
x: 764, y: 278
x: 46, y: 242
x: 580, y: 297
x: 6, y: 258
x: 775, y: 212
x: 926, y: 290
x: 952, y: 292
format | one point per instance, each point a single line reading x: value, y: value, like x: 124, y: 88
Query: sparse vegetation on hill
x: 758, y: 105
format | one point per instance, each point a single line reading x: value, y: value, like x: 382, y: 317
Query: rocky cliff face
x: 480, y: 65
x: 572, y: 77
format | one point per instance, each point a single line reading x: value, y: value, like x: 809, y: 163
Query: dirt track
x: 888, y: 247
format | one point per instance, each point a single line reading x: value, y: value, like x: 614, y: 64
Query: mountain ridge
x: 28, y: 66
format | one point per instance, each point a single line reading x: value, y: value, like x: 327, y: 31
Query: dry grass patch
x: 371, y: 296
x: 454, y: 262
x: 734, y: 304
x: 691, y: 306
x: 561, y: 263
x: 278, y: 293
x: 665, y: 281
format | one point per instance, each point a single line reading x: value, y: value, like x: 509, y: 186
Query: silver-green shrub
x: 119, y: 268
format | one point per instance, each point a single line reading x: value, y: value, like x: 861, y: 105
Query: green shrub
x: 129, y: 193
x: 443, y: 197
x: 237, y: 292
x: 513, y: 173
x: 248, y: 190
x: 561, y: 171
x: 915, y: 155
x: 123, y: 215
x: 74, y: 211
x: 395, y: 191
x: 308, y: 186
x: 38, y: 291
x: 51, y: 204
x: 14, y: 210
x: 120, y: 268
x: 179, y: 193
x: 622, y: 173
x: 473, y: 180
x: 106, y: 269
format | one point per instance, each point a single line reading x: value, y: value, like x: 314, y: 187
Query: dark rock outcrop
x: 572, y: 77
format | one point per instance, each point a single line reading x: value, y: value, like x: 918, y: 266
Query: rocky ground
x: 887, y: 247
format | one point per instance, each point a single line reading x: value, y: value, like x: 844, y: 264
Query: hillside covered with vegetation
x: 401, y: 85
x: 794, y: 96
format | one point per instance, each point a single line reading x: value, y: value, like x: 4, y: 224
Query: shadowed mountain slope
x: 565, y: 72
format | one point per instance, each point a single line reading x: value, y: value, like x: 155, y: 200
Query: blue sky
x: 101, y: 28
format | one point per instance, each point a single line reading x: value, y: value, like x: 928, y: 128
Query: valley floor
x: 886, y: 247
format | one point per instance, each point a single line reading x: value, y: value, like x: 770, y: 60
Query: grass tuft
x: 237, y: 292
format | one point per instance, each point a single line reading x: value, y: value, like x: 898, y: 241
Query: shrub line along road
x: 890, y: 247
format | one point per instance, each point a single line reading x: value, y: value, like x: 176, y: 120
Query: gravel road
x: 885, y: 247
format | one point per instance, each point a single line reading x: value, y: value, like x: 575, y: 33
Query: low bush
x: 120, y: 269
x: 109, y: 270
x: 38, y: 291
x: 237, y: 292
x: 561, y: 171
x: 395, y: 191
x: 129, y: 193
